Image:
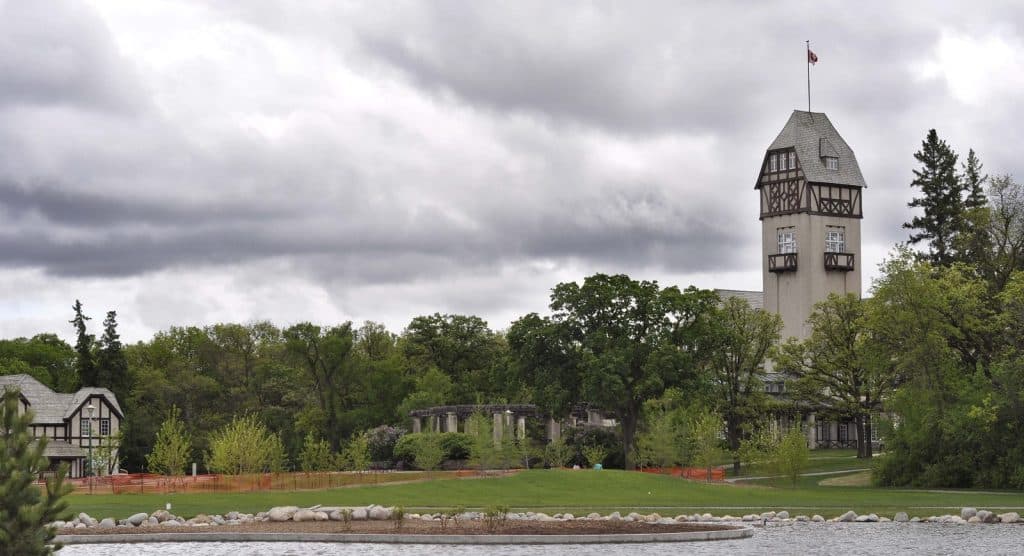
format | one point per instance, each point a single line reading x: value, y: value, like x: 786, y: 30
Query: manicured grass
x: 577, y: 491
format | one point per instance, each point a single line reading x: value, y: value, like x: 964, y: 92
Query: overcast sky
x: 200, y: 162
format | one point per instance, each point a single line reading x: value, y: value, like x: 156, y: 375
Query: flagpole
x: 808, y: 61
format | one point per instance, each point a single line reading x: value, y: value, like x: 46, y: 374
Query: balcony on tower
x: 838, y: 261
x: 782, y: 262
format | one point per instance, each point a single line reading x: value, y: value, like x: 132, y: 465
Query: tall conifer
x: 84, y: 364
x: 940, y: 198
x: 111, y: 365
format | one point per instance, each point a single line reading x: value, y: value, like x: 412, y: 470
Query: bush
x: 381, y: 442
x: 454, y: 445
x: 577, y: 438
x: 245, y: 446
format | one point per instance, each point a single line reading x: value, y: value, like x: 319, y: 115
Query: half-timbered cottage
x: 76, y: 425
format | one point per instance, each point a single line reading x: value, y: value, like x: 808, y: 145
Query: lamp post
x: 90, y: 408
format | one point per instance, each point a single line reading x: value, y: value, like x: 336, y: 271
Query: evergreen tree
x: 111, y: 365
x: 24, y: 510
x: 83, y: 347
x: 973, y: 182
x: 941, y: 200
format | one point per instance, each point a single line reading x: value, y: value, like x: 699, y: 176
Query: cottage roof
x: 813, y: 137
x: 755, y: 299
x: 62, y: 449
x: 52, y: 407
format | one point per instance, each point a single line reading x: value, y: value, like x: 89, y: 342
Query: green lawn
x: 577, y: 491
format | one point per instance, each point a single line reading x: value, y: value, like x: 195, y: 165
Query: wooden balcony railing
x: 839, y: 261
x: 783, y: 262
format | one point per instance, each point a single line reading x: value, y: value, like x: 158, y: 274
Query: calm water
x: 797, y: 538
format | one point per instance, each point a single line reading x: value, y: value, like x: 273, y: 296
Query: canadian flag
x: 812, y: 58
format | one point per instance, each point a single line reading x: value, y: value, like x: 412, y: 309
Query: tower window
x: 773, y: 165
x: 831, y: 163
x: 787, y: 240
x: 782, y: 161
x: 835, y: 239
x: 792, y: 161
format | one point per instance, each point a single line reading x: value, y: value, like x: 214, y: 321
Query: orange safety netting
x: 693, y: 473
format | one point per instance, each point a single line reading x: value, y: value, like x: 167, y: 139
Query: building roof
x: 813, y: 137
x: 52, y: 407
x: 61, y: 449
x: 755, y: 299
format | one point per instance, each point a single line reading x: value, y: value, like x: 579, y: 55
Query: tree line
x: 931, y: 359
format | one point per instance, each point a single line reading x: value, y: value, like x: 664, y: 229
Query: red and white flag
x: 812, y: 58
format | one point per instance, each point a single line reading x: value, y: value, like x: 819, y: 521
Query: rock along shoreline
x: 164, y: 526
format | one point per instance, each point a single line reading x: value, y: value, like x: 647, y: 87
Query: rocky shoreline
x: 377, y: 517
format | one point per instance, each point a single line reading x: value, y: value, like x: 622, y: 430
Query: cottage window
x: 104, y: 427
x: 787, y: 240
x: 773, y: 163
x: 831, y: 163
x: 782, y: 161
x: 86, y: 427
x: 792, y: 161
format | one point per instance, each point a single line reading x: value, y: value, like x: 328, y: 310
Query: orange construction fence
x: 692, y: 473
x: 142, y: 483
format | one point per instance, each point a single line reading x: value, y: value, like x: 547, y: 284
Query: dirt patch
x: 861, y: 479
x: 417, y: 527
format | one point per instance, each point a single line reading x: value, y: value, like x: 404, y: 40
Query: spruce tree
x: 111, y: 365
x: 973, y: 182
x: 83, y: 347
x: 941, y: 200
x: 24, y: 510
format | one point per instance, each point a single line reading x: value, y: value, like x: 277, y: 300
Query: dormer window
x: 773, y: 164
x: 792, y: 161
x: 831, y: 163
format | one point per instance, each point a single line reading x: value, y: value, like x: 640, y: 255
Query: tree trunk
x: 629, y: 420
x: 733, y: 426
x: 859, y: 421
x: 867, y: 436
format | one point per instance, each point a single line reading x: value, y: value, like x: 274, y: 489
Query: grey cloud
x: 60, y: 53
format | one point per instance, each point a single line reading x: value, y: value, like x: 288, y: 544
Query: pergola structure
x: 452, y: 418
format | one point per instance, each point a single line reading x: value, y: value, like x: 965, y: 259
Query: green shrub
x: 455, y: 445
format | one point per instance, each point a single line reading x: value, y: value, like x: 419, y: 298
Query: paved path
x: 816, y: 474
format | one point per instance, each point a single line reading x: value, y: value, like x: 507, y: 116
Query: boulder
x: 974, y: 519
x: 568, y: 517
x: 80, y: 525
x: 968, y: 513
x: 321, y: 516
x: 162, y: 515
x: 58, y: 524
x: 282, y: 513
x: 137, y: 519
x: 232, y: 515
x: 768, y: 515
x: 170, y: 523
x: 1009, y: 517
x: 901, y: 517
x: 750, y: 517
x: 107, y: 523
x: 847, y: 517
x: 633, y: 516
x: 782, y: 515
x: 201, y: 518
x: 986, y: 516
x: 802, y: 518
x: 652, y: 518
x: 915, y: 519
x: 360, y: 514
x: 304, y: 515
x: 379, y: 513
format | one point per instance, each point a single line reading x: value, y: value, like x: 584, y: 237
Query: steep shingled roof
x: 804, y: 131
x: 51, y: 407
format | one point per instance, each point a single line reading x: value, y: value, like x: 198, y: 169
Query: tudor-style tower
x: 811, y: 190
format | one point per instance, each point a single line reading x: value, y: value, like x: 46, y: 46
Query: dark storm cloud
x: 59, y: 53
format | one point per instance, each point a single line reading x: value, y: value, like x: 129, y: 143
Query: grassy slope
x: 576, y: 491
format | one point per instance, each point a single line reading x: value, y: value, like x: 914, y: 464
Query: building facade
x: 811, y: 192
x: 811, y: 206
x: 76, y: 426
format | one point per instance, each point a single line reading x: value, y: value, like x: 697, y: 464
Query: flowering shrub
x: 382, y: 440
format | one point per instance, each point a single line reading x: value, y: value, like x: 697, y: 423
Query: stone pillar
x: 554, y: 429
x: 435, y: 423
x: 499, y: 420
x: 812, y: 432
x: 593, y: 417
x: 416, y: 425
x: 453, y: 422
x: 521, y: 426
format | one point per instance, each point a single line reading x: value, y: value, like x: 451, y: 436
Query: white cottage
x: 76, y: 425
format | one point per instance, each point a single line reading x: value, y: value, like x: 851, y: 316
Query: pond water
x: 795, y: 538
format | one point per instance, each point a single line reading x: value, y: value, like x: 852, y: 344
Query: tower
x: 811, y: 190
